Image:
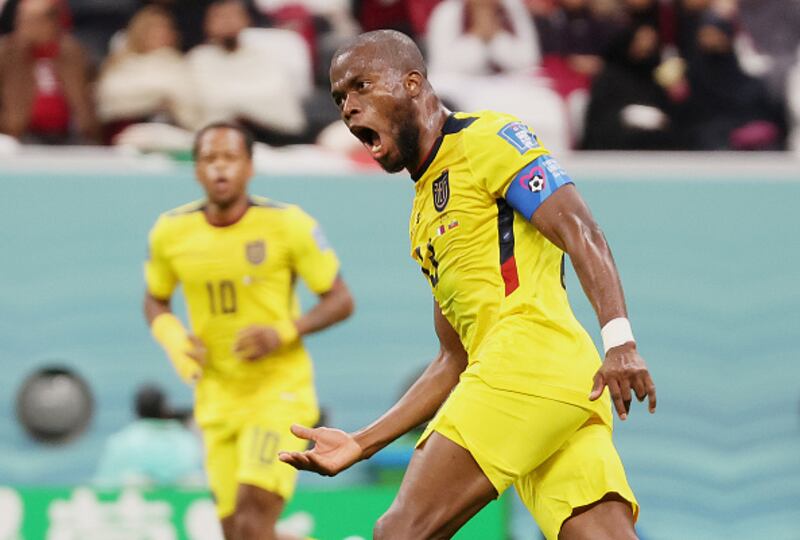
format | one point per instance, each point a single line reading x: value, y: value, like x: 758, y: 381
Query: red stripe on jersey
x: 510, y: 277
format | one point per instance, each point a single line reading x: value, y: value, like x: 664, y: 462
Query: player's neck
x: 224, y: 216
x: 430, y: 131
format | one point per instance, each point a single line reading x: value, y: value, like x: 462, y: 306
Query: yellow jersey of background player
x: 237, y: 258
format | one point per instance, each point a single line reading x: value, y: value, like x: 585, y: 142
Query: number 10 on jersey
x: 221, y: 297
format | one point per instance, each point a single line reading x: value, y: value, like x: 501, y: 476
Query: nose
x: 351, y: 106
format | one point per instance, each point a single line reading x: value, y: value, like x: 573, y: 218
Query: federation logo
x: 519, y: 136
x: 256, y: 251
x: 441, y: 191
x: 534, y: 180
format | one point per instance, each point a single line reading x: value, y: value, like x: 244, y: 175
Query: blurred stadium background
x: 706, y: 241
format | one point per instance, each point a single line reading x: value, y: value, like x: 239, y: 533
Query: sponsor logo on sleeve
x: 519, y: 136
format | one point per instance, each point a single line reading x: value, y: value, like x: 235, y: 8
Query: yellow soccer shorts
x: 243, y: 449
x: 558, y: 456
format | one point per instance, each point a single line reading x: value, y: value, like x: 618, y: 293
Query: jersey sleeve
x: 313, y: 258
x: 511, y: 163
x: 158, y: 273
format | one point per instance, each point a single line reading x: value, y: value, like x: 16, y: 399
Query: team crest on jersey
x: 533, y: 180
x: 519, y: 136
x: 441, y: 191
x: 256, y: 251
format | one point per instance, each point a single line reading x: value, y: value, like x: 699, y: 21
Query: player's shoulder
x: 266, y: 204
x: 179, y: 215
x: 488, y: 123
x: 278, y: 210
x: 176, y: 222
x: 272, y: 208
x: 502, y: 131
x: 185, y: 209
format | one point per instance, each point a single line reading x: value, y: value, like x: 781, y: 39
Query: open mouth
x: 369, y: 138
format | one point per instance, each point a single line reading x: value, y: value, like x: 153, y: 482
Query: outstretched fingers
x: 303, y: 432
x: 597, y: 387
x: 616, y: 398
x: 651, y: 393
x: 298, y: 460
x: 305, y: 461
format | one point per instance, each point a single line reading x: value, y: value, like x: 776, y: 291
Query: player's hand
x: 334, y: 451
x: 624, y: 370
x: 256, y: 341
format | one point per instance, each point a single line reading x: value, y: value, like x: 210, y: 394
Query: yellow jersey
x: 497, y: 279
x: 236, y: 276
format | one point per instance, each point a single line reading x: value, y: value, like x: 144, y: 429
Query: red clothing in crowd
x: 50, y: 108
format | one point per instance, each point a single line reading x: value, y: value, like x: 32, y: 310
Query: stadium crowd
x: 588, y: 74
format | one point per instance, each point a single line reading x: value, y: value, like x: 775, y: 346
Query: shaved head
x: 393, y: 49
x: 379, y: 83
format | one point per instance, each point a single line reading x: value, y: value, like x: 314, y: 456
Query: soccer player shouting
x: 518, y: 384
x: 237, y: 257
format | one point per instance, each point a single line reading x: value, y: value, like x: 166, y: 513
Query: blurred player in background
x: 237, y: 257
x: 518, y: 384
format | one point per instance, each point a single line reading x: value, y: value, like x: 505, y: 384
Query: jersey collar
x: 451, y: 126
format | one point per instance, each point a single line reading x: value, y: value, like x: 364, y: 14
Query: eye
x: 362, y: 85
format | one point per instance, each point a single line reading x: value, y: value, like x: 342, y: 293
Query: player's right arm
x: 335, y: 450
x: 185, y: 351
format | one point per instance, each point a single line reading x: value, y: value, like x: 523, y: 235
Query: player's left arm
x: 564, y: 219
x: 511, y: 163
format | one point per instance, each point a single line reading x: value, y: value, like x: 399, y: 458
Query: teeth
x: 376, y: 147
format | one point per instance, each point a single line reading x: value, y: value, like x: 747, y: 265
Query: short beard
x: 407, y: 140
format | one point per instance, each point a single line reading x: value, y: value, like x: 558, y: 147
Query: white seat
x: 523, y: 96
x: 290, y: 49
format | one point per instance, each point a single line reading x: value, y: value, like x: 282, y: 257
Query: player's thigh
x: 221, y: 461
x: 585, y: 470
x: 262, y: 437
x: 507, y: 433
x: 443, y: 487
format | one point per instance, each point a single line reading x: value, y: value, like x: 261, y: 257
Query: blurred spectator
x: 793, y: 93
x: 481, y: 37
x: 655, y: 13
x: 44, y: 91
x: 147, y: 79
x: 269, y: 103
x: 573, y: 39
x: 324, y: 24
x: 8, y: 14
x: 408, y: 16
x: 772, y: 28
x: 188, y: 16
x: 96, y: 21
x: 155, y: 449
x: 688, y: 14
x: 728, y: 109
x: 628, y: 109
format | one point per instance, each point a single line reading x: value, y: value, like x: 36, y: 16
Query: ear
x: 413, y: 83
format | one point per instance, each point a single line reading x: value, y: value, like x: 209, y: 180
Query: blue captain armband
x: 531, y: 186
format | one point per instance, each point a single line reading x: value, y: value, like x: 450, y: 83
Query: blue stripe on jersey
x: 534, y: 184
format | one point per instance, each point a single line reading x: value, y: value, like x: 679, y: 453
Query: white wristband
x: 616, y: 332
